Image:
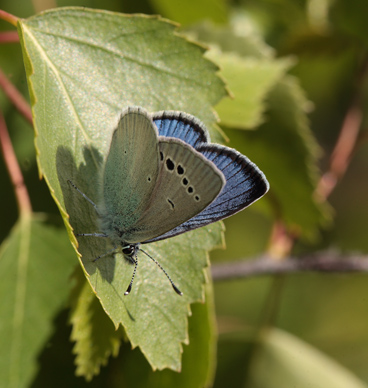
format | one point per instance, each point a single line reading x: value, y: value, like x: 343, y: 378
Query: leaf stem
x: 24, y: 203
x: 8, y: 17
x: 16, y: 98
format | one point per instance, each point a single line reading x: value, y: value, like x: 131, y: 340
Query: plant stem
x: 8, y: 17
x: 16, y: 97
x: 347, y: 140
x: 327, y: 262
x: 9, y: 37
x: 11, y: 162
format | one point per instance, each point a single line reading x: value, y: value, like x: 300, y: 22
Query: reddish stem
x: 8, y: 17
x: 348, y: 138
x: 16, y: 97
x: 344, y: 148
x: 11, y: 162
x: 9, y: 37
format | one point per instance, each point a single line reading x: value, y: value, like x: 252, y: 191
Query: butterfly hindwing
x: 130, y: 172
x: 186, y: 184
x: 245, y: 183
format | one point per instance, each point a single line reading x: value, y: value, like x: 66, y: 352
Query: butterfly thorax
x: 114, y: 227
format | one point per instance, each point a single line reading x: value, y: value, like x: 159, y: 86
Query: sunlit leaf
x: 84, y: 66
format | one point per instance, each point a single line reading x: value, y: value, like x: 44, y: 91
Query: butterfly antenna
x: 127, y: 292
x: 176, y: 289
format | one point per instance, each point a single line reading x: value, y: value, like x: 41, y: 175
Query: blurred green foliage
x: 294, y: 68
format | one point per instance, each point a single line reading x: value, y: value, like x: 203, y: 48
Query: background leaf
x: 268, y: 100
x: 249, y: 68
x: 250, y: 80
x: 293, y: 177
x: 284, y: 360
x: 36, y: 262
x: 93, y: 332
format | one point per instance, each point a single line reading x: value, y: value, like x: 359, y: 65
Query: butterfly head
x: 130, y: 251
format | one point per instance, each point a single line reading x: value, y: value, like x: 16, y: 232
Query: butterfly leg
x: 92, y: 235
x: 105, y: 254
x: 83, y: 195
x: 98, y: 235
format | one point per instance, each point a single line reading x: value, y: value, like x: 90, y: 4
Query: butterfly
x: 162, y: 177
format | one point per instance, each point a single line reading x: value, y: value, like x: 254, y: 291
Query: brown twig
x: 11, y: 162
x: 16, y: 97
x: 344, y: 148
x: 347, y: 140
x: 265, y: 265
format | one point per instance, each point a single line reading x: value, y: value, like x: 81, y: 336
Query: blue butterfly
x: 162, y: 177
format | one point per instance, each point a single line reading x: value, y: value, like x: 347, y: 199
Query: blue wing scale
x: 181, y: 126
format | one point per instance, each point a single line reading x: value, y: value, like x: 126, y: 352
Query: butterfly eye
x: 128, y: 250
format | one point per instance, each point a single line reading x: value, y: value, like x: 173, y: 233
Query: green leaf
x: 250, y: 80
x: 283, y: 360
x: 84, y: 66
x: 287, y: 152
x: 147, y: 324
x: 283, y: 146
x: 198, y: 357
x: 249, y: 69
x: 94, y: 333
x: 36, y: 262
x: 153, y: 315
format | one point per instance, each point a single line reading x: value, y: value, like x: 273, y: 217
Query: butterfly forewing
x: 181, y: 126
x: 186, y: 184
x: 131, y: 171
